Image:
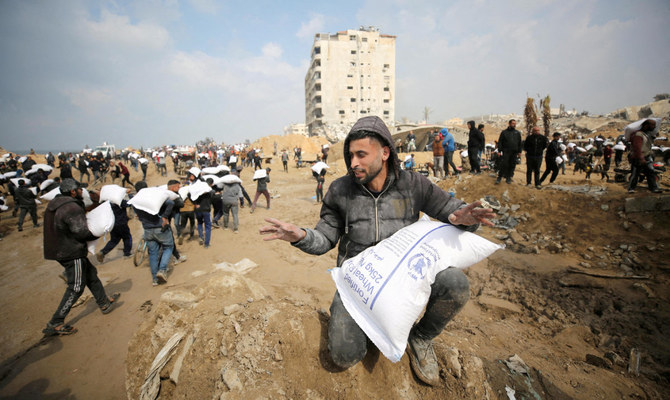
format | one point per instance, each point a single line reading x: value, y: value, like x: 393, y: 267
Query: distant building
x: 351, y: 75
x: 296, y: 129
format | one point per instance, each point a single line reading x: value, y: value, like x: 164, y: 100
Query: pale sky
x: 144, y: 73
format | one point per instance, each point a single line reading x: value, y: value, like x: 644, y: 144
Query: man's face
x: 512, y: 124
x: 368, y: 157
x: 174, y: 188
x: 78, y: 194
x: 651, y: 126
x: 536, y: 131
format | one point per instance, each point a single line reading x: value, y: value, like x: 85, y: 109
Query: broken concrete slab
x: 647, y: 203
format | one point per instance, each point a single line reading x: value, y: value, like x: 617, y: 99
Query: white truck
x: 106, y: 149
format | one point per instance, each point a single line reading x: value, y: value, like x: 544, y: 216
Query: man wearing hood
x: 369, y: 204
x: 65, y: 236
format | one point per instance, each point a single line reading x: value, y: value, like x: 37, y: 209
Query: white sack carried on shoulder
x: 100, y: 220
x: 143, y: 160
x: 46, y: 184
x: 260, y: 173
x: 231, y: 179
x: 619, y: 146
x: 559, y: 160
x: 52, y: 193
x: 113, y: 193
x: 386, y: 287
x: 34, y: 190
x: 198, y: 189
x: 320, y: 166
x: 195, y: 171
x: 151, y: 199
x: 635, y: 126
x: 16, y: 181
x: 86, y: 196
x: 183, y: 192
x: 232, y: 159
x: 210, y: 170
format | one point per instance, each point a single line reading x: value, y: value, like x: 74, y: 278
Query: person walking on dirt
x: 351, y: 215
x: 509, y: 143
x: 119, y: 232
x: 284, y: 160
x: 449, y: 145
x: 262, y: 188
x: 534, y: 146
x: 25, y: 198
x: 641, y: 159
x: 438, y: 157
x: 553, y: 152
x: 65, y: 236
x: 475, y: 147
x: 82, y: 166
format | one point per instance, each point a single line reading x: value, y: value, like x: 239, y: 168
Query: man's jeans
x: 347, y: 343
x: 438, y: 166
x: 206, y: 218
x: 233, y: 209
x: 155, y: 239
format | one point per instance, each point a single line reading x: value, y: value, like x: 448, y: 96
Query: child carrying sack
x: 386, y: 287
x: 113, y: 193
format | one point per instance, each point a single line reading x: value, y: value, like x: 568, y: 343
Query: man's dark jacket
x: 534, y: 145
x: 353, y: 216
x: 25, y: 197
x: 65, y: 229
x: 510, y: 141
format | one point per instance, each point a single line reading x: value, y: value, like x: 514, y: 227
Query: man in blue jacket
x: 449, y: 146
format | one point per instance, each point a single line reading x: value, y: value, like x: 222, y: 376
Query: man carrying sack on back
x: 372, y: 202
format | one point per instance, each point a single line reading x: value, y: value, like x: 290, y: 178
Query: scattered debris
x: 152, y: 383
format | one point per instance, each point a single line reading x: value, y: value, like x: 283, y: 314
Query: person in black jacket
x: 82, y: 166
x: 509, y: 143
x: 65, y: 168
x: 553, y: 151
x: 475, y: 147
x: 65, y: 236
x: 119, y: 232
x: 203, y: 214
x: 26, y: 201
x: 534, y: 147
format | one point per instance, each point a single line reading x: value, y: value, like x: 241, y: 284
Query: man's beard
x: 369, y: 176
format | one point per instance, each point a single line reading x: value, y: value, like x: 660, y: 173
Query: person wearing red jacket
x: 126, y: 174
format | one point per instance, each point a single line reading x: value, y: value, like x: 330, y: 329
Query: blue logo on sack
x: 418, y: 266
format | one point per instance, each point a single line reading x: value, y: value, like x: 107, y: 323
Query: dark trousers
x: 551, y: 167
x: 217, y: 208
x: 118, y: 233
x: 449, y: 161
x: 319, y: 192
x: 638, y: 168
x: 126, y: 179
x: 473, y: 155
x: 144, y: 171
x: 347, y: 343
x: 204, y: 218
x: 80, y: 274
x: 507, y: 165
x: 285, y: 163
x: 186, y: 216
x: 533, y: 165
x: 22, y: 214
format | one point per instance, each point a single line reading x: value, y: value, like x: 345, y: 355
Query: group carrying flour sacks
x: 386, y: 287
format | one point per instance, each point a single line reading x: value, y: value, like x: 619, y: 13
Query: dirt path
x: 518, y: 307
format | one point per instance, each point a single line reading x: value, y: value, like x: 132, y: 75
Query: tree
x: 662, y: 96
x: 426, y: 113
x: 529, y: 115
x: 546, y: 114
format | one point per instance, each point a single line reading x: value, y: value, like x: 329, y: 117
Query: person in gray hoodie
x: 369, y: 204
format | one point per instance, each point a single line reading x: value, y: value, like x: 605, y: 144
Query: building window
x: 317, y: 87
x: 364, y: 39
x: 317, y: 50
x: 363, y: 112
x: 386, y: 65
x: 341, y: 112
x: 350, y: 87
x: 353, y: 51
x: 353, y: 100
x: 350, y: 76
x: 386, y: 89
x: 386, y: 100
x: 353, y: 64
x: 386, y: 113
x: 352, y: 37
x: 318, y: 99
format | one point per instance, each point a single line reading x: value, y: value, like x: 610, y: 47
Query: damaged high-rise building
x: 351, y: 75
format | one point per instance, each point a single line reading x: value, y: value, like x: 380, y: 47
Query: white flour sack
x: 113, y: 193
x: 386, y: 287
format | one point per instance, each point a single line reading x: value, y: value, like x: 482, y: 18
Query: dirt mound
x: 311, y: 146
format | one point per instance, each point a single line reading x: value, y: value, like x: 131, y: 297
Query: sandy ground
x: 262, y: 334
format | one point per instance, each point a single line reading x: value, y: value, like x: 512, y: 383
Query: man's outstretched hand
x: 470, y: 215
x: 282, y: 230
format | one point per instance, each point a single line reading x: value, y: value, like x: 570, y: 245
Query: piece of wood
x: 608, y: 276
x: 152, y: 383
x: 174, y: 374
